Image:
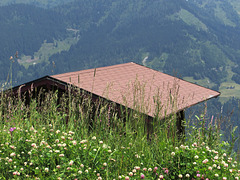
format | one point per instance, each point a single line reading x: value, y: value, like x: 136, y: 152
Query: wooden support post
x: 180, y: 124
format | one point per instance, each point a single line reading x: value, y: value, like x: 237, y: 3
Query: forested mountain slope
x: 40, y: 3
x: 197, y: 40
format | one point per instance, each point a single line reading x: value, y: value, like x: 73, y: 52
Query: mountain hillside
x: 40, y: 3
x: 196, y: 40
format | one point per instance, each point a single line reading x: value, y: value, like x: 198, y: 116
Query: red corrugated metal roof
x: 139, y: 88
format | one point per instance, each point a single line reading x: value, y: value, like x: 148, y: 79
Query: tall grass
x: 74, y: 137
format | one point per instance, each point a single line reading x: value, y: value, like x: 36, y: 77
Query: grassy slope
x: 42, y: 3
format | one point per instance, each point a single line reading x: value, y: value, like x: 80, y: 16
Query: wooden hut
x: 131, y: 85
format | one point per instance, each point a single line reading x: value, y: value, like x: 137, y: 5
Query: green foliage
x: 72, y: 137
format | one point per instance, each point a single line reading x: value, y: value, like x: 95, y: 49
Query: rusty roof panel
x: 139, y: 88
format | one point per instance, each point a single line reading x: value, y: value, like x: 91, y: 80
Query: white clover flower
x: 57, y: 131
x: 196, y: 157
x: 74, y: 142
x: 46, y: 170
x: 94, y: 138
x: 12, y: 154
x: 216, y: 175
x: 180, y: 175
x: 79, y: 172
x: 187, y: 175
x: 104, y: 164
x: 71, y: 163
x: 173, y: 153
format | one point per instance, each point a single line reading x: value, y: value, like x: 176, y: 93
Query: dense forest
x: 196, y: 39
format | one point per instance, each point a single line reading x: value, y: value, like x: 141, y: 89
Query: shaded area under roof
x: 140, y: 88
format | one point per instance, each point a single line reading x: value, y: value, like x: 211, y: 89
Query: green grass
x: 99, y: 143
x: 47, y: 50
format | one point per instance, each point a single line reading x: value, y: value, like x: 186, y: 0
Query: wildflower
x: 166, y: 171
x: 74, y: 142
x: 81, y: 165
x: 70, y: 132
x: 71, y: 163
x: 216, y: 175
x: 126, y: 178
x: 119, y: 177
x: 57, y: 131
x: 205, y: 161
x: 194, y: 144
x: 10, y: 160
x: 209, y: 168
x: 12, y: 154
x: 99, y: 178
x: 12, y: 129
x: 196, y: 157
x: 187, y: 175
x: 161, y: 176
x: 137, y: 167
x: 61, y: 155
x: 130, y: 174
x: 180, y: 175
x: 68, y: 168
x: 194, y: 163
x: 46, y: 169
x: 198, y: 175
x: 63, y: 138
x: 173, y: 153
x: 225, y: 165
x: 142, y: 176
x: 100, y: 142
x: 218, y: 167
x: 149, y: 169
x: 104, y: 164
x: 86, y: 171
x: 230, y: 170
x: 83, y: 141
x: 94, y: 138
x: 144, y: 169
x: 58, y: 166
x: 224, y: 178
x: 79, y: 172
